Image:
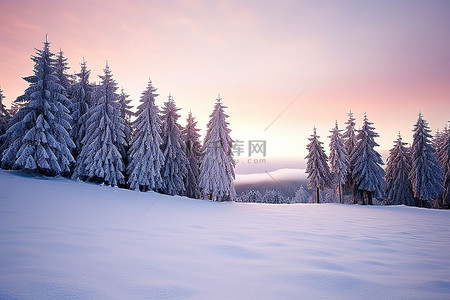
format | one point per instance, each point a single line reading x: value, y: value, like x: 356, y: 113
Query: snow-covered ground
x: 61, y: 239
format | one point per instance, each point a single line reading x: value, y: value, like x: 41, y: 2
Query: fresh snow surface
x: 62, y: 239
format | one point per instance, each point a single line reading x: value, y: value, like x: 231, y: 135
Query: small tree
x: 444, y: 160
x: 193, y: 155
x: 38, y: 138
x: 100, y: 159
x: 126, y: 114
x: 349, y: 137
x: 4, y: 119
x: 145, y: 156
x: 426, y: 174
x: 338, y: 160
x: 174, y: 169
x: 319, y: 176
x: 301, y: 196
x: 368, y: 175
x: 61, y: 68
x: 217, y: 166
x: 398, y: 186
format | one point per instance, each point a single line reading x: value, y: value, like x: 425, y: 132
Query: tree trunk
x: 364, y: 196
x: 369, y: 194
x: 340, y: 193
x: 317, y: 195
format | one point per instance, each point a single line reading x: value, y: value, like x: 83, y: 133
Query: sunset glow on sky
x: 390, y: 59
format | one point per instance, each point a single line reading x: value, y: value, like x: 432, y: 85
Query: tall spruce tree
x: 217, y: 166
x: 319, y: 176
x: 81, y: 93
x: 61, y: 68
x: 444, y: 160
x: 126, y: 114
x: 100, y: 159
x: 193, y: 155
x: 398, y: 186
x: 338, y: 160
x: 175, y: 162
x: 145, y: 156
x: 38, y: 138
x: 368, y: 175
x: 349, y: 137
x: 426, y: 174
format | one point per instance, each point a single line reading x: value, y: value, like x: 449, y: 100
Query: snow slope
x: 61, y: 239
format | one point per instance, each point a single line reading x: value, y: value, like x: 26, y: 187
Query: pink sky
x: 390, y: 59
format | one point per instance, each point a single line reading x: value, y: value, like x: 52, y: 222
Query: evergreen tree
x: 251, y: 196
x: 61, y: 67
x: 81, y: 93
x: 38, y: 138
x: 349, y: 137
x: 193, y: 155
x: 426, y: 174
x: 368, y: 175
x: 175, y: 162
x: 398, y: 186
x: 217, y: 166
x: 338, y: 160
x: 100, y: 159
x: 4, y: 118
x: 274, y: 197
x: 319, y: 176
x: 301, y: 196
x: 145, y: 156
x: 126, y: 114
x: 444, y: 160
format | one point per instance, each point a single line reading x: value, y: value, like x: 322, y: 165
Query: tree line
x: 65, y: 125
x: 418, y: 175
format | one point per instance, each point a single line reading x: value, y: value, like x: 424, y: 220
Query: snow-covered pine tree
x: 193, y: 154
x: 426, y: 174
x: 301, y: 196
x: 253, y: 196
x: 175, y: 162
x: 398, y: 185
x: 444, y: 161
x: 61, y: 67
x: 100, y: 159
x: 368, y: 175
x: 319, y: 176
x: 4, y: 117
x: 38, y: 138
x: 338, y: 160
x: 126, y: 114
x: 349, y: 137
x: 145, y: 156
x: 217, y: 166
x: 274, y: 197
x: 81, y: 93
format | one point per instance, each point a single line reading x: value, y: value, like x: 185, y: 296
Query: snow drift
x: 61, y: 239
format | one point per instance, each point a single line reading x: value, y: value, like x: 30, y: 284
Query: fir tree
x: 4, y: 118
x: 217, y: 166
x: 61, y: 68
x: 368, y: 175
x: 126, y: 114
x: 398, y: 186
x: 444, y: 161
x: 38, y: 138
x: 426, y: 174
x: 81, y: 93
x: 319, y: 176
x: 175, y: 162
x: 301, y: 196
x: 349, y: 137
x: 193, y: 155
x: 338, y: 160
x: 251, y: 196
x: 145, y: 156
x: 100, y: 159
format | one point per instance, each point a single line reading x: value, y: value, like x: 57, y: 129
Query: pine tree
x: 301, y: 196
x: 368, y: 175
x: 38, y: 138
x: 61, y: 67
x: 274, y: 197
x: 217, y: 166
x: 398, y: 186
x: 81, y: 93
x: 349, y: 137
x: 145, y: 156
x: 193, y: 155
x: 4, y: 117
x: 175, y: 162
x: 251, y: 196
x: 338, y: 160
x: 444, y: 161
x: 426, y: 174
x: 319, y: 176
x: 100, y: 159
x: 126, y: 114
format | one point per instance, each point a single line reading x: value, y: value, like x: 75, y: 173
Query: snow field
x: 62, y: 239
